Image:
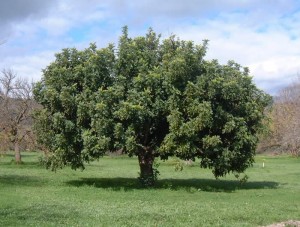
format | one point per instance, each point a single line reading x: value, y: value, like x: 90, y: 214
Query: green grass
x: 108, y: 194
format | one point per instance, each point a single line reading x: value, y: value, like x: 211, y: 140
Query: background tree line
x: 283, y: 134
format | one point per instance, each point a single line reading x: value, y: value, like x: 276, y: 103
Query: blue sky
x: 263, y: 35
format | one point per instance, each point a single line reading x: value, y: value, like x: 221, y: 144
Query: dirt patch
x: 285, y: 224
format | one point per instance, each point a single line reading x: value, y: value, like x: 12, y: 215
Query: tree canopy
x: 149, y: 98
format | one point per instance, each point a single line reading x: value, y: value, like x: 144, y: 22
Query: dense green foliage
x: 33, y: 196
x: 149, y: 98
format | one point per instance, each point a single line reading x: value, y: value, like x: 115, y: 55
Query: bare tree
x: 16, y: 105
x: 285, y: 120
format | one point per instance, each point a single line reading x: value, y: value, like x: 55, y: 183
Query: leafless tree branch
x: 16, y: 106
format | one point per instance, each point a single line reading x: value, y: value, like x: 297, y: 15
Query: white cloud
x: 271, y: 53
x: 56, y: 26
x: 29, y: 67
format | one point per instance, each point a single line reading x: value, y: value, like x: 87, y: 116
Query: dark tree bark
x: 147, y: 175
x: 17, y: 153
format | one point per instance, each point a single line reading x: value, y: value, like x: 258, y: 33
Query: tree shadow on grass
x: 23, y: 165
x: 189, y: 185
x: 17, y: 180
x: 12, y: 154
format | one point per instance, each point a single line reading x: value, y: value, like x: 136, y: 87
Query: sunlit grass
x: 107, y: 193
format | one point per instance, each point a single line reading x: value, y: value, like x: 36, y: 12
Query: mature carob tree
x: 149, y: 98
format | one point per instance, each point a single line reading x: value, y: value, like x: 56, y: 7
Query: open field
x: 108, y: 194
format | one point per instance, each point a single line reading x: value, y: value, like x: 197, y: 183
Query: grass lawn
x: 107, y: 193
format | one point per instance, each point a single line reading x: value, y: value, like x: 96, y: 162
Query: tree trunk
x: 147, y: 176
x: 17, y: 153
